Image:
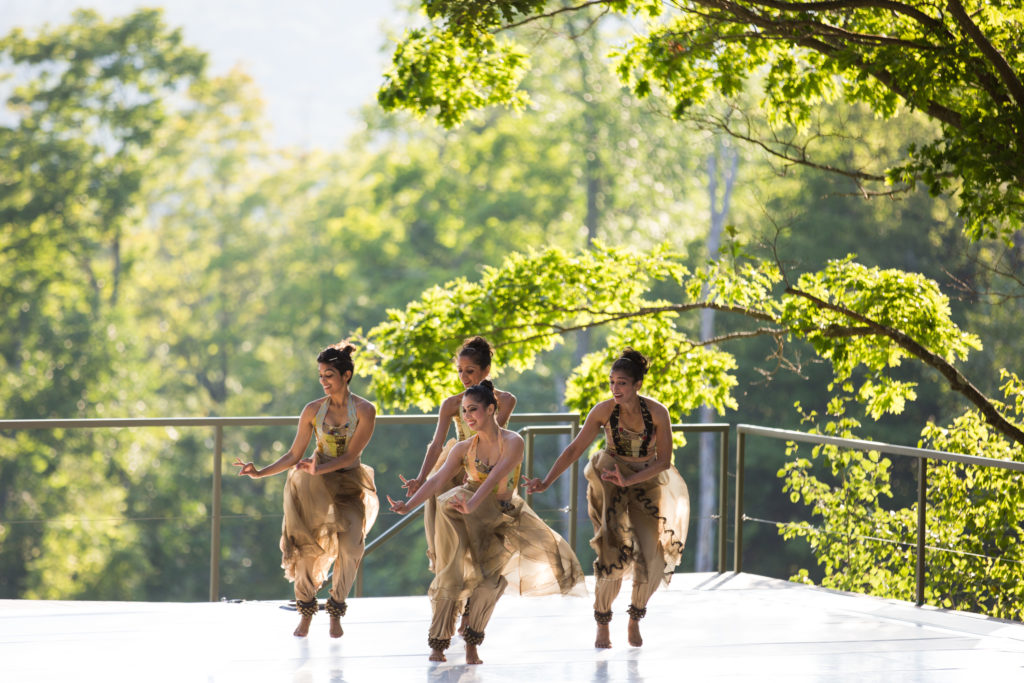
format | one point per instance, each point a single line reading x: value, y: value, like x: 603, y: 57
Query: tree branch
x: 995, y: 58
x: 548, y: 15
x: 956, y: 379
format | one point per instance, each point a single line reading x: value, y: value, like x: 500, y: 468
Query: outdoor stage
x: 704, y: 627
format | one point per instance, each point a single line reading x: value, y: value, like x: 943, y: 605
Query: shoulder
x: 657, y: 408
x: 603, y: 410
x: 312, y: 407
x: 512, y: 438
x: 364, y: 409
x: 460, y: 448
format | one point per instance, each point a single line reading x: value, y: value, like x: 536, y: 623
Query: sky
x: 315, y: 61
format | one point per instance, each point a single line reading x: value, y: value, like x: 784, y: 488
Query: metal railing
x: 923, y: 455
x: 572, y: 508
x: 219, y: 423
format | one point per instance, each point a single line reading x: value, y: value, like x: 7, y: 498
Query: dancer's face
x: 476, y: 413
x: 624, y: 389
x: 331, y: 380
x: 469, y: 372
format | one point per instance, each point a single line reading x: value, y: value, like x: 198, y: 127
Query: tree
x: 960, y: 64
x: 864, y: 322
x: 89, y: 109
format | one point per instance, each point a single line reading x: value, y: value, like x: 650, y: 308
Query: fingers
x: 403, y: 479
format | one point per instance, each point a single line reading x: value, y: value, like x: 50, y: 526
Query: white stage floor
x: 704, y: 627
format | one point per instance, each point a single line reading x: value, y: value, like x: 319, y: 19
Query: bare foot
x: 604, y: 638
x: 438, y: 656
x: 471, y: 655
x: 462, y: 624
x: 634, y: 633
x: 336, y: 631
x: 302, y: 630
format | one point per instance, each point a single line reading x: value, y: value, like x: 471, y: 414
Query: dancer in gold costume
x: 330, y: 501
x: 487, y: 538
x: 638, y: 502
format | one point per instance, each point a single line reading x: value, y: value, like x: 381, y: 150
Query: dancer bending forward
x: 473, y: 365
x: 487, y: 538
x: 637, y: 500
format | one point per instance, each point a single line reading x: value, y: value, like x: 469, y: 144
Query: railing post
x: 574, y: 486
x: 529, y: 462
x: 723, y: 493
x: 737, y: 540
x: 218, y: 453
x: 922, y: 489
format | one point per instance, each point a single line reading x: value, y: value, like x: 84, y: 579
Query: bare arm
x: 590, y: 431
x: 506, y: 404
x: 444, y: 419
x: 510, y: 457
x: 434, y: 483
x: 302, y: 436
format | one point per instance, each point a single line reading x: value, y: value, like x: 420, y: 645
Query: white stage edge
x: 704, y: 627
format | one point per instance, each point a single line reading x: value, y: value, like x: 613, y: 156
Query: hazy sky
x: 315, y: 61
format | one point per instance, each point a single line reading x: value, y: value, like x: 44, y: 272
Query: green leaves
x: 440, y: 72
x: 964, y: 69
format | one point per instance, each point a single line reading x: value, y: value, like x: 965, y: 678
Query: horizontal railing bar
x: 248, y: 421
x: 891, y: 449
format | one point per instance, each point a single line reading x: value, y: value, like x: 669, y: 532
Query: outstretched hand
x: 535, y: 485
x: 613, y: 475
x: 399, y: 506
x: 411, y: 486
x: 245, y: 468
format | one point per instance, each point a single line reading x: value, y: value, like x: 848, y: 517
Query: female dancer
x: 637, y: 500
x: 486, y: 535
x: 329, y: 499
x: 473, y: 365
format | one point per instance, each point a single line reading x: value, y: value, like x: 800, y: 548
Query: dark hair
x: 478, y: 350
x: 483, y: 392
x: 338, y: 356
x: 631, y: 362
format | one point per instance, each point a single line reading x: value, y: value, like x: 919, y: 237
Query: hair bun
x: 632, y: 363
x: 343, y: 347
x: 487, y: 383
x: 477, y: 349
x: 635, y: 356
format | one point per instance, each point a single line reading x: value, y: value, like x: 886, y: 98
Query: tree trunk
x: 722, y: 165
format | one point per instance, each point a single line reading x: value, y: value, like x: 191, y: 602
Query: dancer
x: 637, y: 500
x: 473, y: 365
x: 487, y: 538
x: 329, y: 499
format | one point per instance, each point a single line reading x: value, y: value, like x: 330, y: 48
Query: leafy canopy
x: 526, y: 306
x: 960, y: 63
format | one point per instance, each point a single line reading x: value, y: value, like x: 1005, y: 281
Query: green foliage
x: 525, y: 306
x: 974, y: 559
x: 908, y: 302
x: 440, y: 70
x: 962, y: 66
